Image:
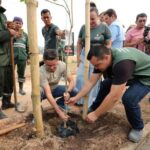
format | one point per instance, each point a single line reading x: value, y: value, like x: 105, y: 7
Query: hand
x: 63, y: 116
x: 66, y: 96
x: 18, y: 34
x: 139, y: 41
x: 12, y: 32
x: 91, y: 117
x: 71, y: 101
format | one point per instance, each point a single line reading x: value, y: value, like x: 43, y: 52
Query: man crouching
x: 50, y: 75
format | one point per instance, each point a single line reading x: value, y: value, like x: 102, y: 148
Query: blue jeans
x: 131, y: 98
x: 58, y: 92
x: 80, y: 80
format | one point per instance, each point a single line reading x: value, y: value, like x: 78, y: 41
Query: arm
x: 130, y: 41
x: 4, y: 36
x: 71, y: 83
x: 109, y: 101
x: 86, y: 88
x: 133, y: 43
x: 79, y: 48
x: 107, y: 36
x: 52, y: 101
x: 122, y: 73
x: 60, y: 33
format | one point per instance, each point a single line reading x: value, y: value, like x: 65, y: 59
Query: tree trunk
x: 34, y: 57
x: 87, y: 48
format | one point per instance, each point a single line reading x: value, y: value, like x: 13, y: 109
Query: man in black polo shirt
x: 119, y: 66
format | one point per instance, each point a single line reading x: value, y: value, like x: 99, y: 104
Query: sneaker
x: 135, y: 135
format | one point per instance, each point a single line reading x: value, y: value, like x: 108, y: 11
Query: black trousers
x: 6, y: 80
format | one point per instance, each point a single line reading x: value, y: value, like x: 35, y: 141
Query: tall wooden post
x: 87, y: 48
x: 34, y: 57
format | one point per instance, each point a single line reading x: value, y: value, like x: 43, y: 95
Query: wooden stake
x: 34, y: 57
x: 87, y: 48
x: 13, y: 72
x: 12, y: 127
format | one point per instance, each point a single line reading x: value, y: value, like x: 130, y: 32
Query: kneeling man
x: 50, y: 75
x: 120, y: 67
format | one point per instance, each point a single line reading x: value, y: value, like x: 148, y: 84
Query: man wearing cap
x: 21, y: 49
x: 5, y: 65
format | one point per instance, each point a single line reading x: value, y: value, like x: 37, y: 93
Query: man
x: 134, y: 36
x: 50, y: 75
x: 115, y: 27
x: 121, y: 65
x: 21, y: 49
x: 6, y: 85
x: 50, y: 31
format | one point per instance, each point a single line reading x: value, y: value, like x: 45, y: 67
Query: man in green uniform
x: 6, y: 85
x: 123, y: 66
x: 21, y: 49
x: 50, y: 31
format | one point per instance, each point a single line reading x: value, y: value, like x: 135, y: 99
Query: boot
x: 21, y: 88
x: 2, y: 115
x: 6, y: 102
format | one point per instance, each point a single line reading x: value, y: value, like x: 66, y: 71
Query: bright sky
x: 126, y: 11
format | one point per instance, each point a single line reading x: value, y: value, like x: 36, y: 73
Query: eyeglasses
x: 142, y: 20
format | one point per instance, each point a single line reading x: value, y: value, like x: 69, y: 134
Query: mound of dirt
x: 109, y: 132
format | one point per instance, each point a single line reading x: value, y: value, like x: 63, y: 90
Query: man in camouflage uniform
x: 21, y: 49
x: 6, y: 85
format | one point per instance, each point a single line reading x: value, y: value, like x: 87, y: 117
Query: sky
x: 125, y: 9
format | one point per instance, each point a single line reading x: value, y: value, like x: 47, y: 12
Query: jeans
x: 131, y: 98
x: 80, y: 80
x: 58, y: 92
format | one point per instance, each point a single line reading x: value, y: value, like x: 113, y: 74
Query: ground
x: 108, y: 133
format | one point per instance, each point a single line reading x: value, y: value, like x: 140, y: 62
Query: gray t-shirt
x: 52, y: 78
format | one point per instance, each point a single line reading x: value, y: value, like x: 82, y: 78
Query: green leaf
x: 22, y: 0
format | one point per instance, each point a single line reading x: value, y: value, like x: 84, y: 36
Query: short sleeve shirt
x: 120, y: 73
x: 99, y: 35
x: 134, y: 34
x: 50, y: 37
x: 52, y: 78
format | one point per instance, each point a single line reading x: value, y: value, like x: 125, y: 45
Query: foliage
x: 23, y: 1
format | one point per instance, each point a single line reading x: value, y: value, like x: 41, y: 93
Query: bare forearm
x: 52, y: 101
x: 106, y: 105
x: 71, y: 86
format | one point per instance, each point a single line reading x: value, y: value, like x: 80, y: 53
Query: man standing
x: 134, y: 36
x: 115, y: 27
x: 21, y: 50
x: 122, y: 65
x: 50, y: 31
x: 6, y: 85
x: 50, y: 75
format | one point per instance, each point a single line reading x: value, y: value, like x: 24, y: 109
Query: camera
x: 146, y: 33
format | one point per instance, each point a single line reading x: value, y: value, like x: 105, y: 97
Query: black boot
x: 2, y: 115
x: 21, y: 88
x: 6, y: 102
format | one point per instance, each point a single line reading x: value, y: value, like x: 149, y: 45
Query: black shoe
x: 8, y: 105
x: 2, y: 115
